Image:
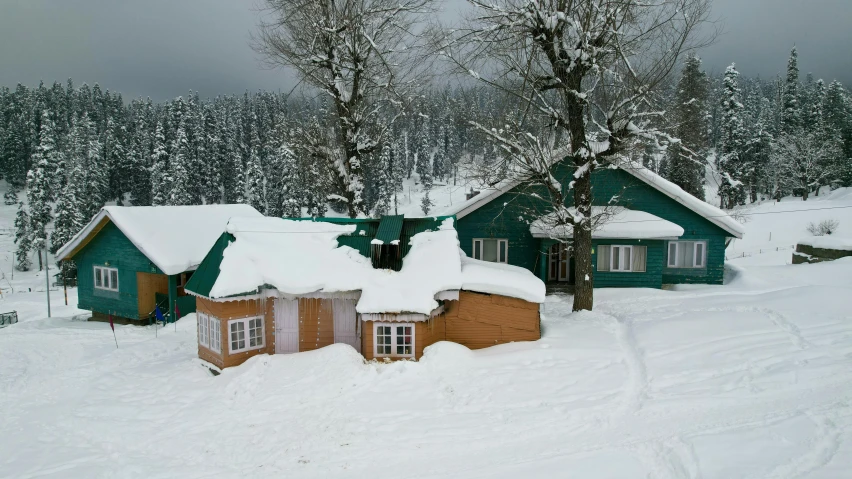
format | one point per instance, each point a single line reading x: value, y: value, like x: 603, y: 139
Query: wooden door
x: 286, y: 326
x: 346, y: 323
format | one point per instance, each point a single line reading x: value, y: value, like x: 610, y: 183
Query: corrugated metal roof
x: 389, y: 228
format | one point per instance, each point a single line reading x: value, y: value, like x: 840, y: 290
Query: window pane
x: 504, y: 245
x: 616, y: 257
x: 489, y: 250
x: 477, y: 250
x: 672, y: 254
x: 627, y: 258
x: 113, y: 279
x: 689, y: 254
x: 699, y: 254
x: 98, y: 281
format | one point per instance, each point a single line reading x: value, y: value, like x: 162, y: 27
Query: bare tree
x: 585, y: 74
x: 362, y: 55
x: 805, y: 160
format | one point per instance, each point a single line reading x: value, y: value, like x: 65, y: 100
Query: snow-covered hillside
x: 777, y: 226
x: 746, y: 380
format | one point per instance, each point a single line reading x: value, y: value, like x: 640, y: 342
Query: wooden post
x: 47, y: 278
x: 172, y: 296
x: 64, y: 284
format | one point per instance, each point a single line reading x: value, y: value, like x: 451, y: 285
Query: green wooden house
x: 132, y: 259
x: 651, y: 231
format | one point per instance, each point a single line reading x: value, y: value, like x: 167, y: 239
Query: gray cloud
x: 164, y: 48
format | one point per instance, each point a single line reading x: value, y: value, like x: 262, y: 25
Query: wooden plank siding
x: 111, y: 247
x: 228, y: 310
x: 316, y: 323
x: 149, y: 284
x: 480, y: 320
x: 508, y: 216
x: 476, y: 321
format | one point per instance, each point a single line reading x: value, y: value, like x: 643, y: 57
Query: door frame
x: 281, y: 307
x: 559, y: 253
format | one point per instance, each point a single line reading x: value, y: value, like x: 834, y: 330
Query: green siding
x: 652, y: 277
x: 508, y: 216
x: 111, y: 246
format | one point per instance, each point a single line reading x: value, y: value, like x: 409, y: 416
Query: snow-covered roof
x: 174, y: 238
x: 827, y: 242
x: 612, y: 223
x: 704, y: 209
x: 502, y: 279
x: 304, y: 257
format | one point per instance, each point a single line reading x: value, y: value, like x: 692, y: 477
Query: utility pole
x: 47, y: 279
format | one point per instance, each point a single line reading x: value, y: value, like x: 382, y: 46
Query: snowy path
x: 747, y: 380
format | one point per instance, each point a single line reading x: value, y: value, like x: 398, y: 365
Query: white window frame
x: 106, y: 282
x: 698, y: 261
x: 501, y: 242
x: 393, y: 343
x: 210, y: 332
x: 624, y: 266
x: 247, y: 335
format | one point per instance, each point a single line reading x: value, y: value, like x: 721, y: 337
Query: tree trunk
x: 40, y: 266
x: 583, y: 280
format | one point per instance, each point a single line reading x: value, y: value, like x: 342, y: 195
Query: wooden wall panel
x: 227, y: 310
x: 149, y: 284
x: 316, y: 323
x: 481, y: 320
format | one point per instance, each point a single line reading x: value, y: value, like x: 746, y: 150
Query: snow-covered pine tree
x: 254, y: 176
x: 212, y: 162
x: 48, y: 150
x: 424, y: 156
x: 791, y: 114
x: 38, y: 198
x: 757, y: 152
x: 69, y: 219
x: 179, y: 193
x: 161, y: 182
x: 440, y: 163
x: 23, y: 239
x: 97, y: 178
x: 687, y: 159
x: 730, y: 158
x: 384, y: 182
x: 838, y: 118
x: 289, y: 187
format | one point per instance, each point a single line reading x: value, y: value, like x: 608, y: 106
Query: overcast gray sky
x: 164, y: 48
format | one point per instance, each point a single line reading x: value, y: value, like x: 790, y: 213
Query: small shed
x: 388, y: 287
x: 821, y: 248
x: 132, y: 259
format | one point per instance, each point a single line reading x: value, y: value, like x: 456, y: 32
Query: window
x: 246, y: 334
x: 106, y: 278
x: 394, y: 339
x: 622, y: 258
x: 493, y: 250
x: 209, y: 332
x: 687, y: 254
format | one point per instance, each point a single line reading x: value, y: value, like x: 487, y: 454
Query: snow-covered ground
x: 747, y: 380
